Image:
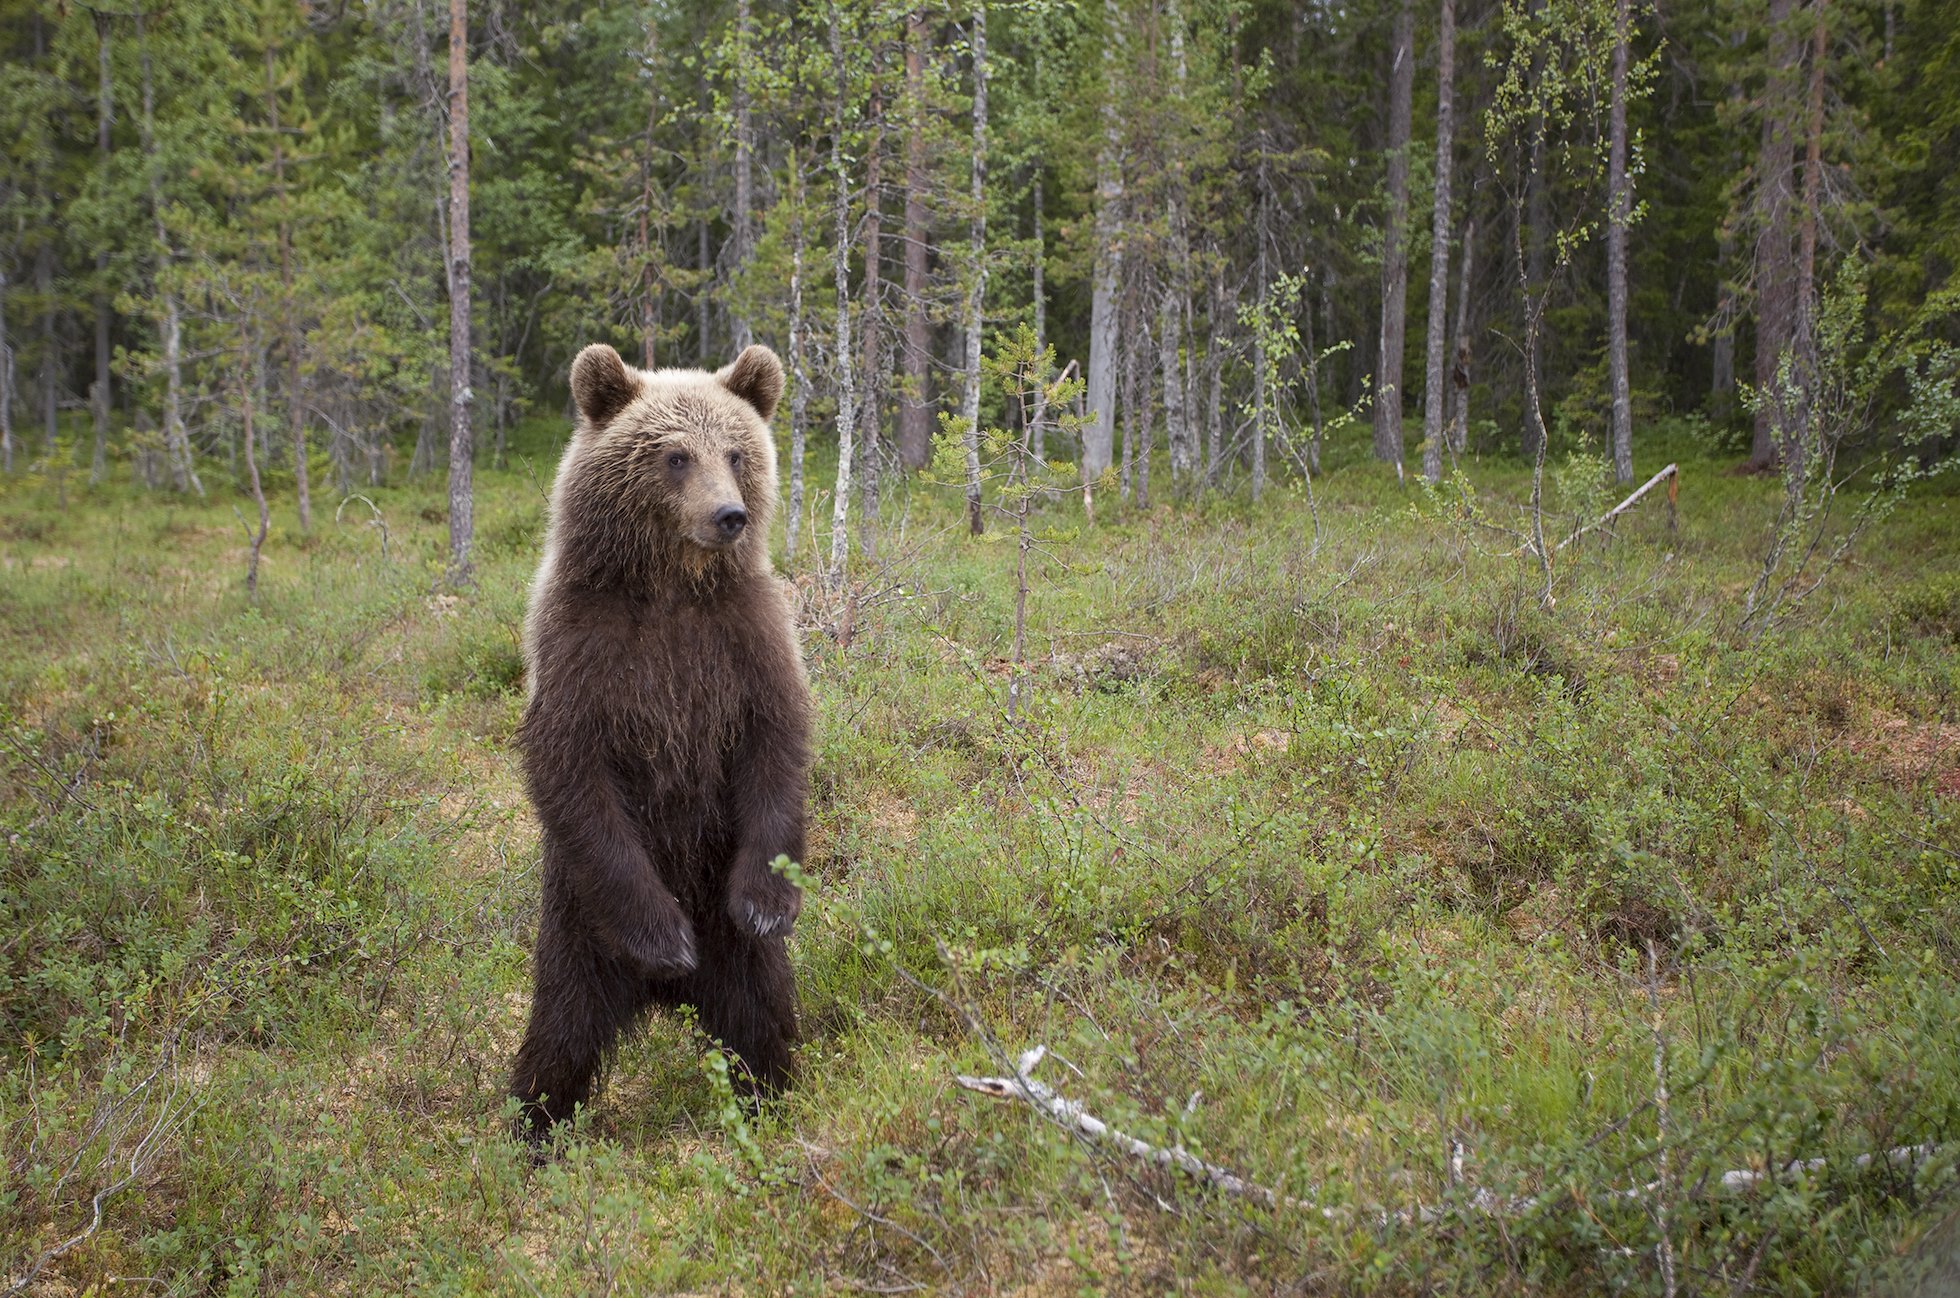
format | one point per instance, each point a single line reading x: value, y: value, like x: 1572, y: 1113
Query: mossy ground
x: 1312, y: 858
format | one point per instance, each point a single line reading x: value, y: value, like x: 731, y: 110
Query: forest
x: 1380, y: 580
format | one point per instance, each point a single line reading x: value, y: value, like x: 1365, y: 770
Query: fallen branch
x: 1072, y: 1116
x: 1671, y: 475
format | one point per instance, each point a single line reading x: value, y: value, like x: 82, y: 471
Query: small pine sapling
x: 1003, y: 467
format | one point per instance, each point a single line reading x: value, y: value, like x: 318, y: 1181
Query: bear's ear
x: 601, y: 384
x: 756, y: 377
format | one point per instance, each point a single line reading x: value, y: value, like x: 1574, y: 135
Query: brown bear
x: 665, y: 738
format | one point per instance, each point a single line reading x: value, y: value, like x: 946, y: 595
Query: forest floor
x: 1487, y: 936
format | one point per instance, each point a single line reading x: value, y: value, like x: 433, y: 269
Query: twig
x: 1670, y: 472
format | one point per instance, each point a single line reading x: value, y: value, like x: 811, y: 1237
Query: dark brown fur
x: 665, y: 740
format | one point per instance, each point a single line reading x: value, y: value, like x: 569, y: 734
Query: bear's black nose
x: 729, y: 520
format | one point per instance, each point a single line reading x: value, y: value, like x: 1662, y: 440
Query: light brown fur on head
x: 659, y: 460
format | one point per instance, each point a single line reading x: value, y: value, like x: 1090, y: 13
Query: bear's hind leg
x: 745, y: 995
x: 582, y: 1000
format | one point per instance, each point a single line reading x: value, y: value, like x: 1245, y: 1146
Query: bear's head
x: 670, y: 472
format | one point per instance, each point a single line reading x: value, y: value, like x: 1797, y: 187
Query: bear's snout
x: 729, y: 521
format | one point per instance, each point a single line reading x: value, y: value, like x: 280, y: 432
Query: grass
x: 1312, y: 859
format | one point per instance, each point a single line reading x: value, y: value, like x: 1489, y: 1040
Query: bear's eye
x: 678, y: 460
x: 734, y: 459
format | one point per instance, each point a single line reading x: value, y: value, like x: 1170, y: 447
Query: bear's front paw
x: 764, y: 903
x: 663, y: 950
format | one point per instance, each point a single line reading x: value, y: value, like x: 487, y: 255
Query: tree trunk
x: 977, y: 289
x: 1395, y: 255
x: 1104, y: 304
x: 258, y: 489
x: 176, y: 439
x: 914, y: 402
x: 1804, y: 339
x: 1144, y: 411
x: 1128, y: 421
x: 99, y: 391
x: 1038, y: 435
x: 873, y: 324
x: 295, y: 403
x: 462, y: 522
x: 1261, y: 362
x: 1459, y: 434
x: 1618, y: 217
x: 1776, y: 289
x: 1433, y: 390
x: 799, y: 397
x: 1721, y: 348
x: 1170, y: 321
x: 649, y: 291
x: 1177, y: 432
x: 1539, y: 212
x: 703, y: 262
x: 1221, y: 306
x: 840, y: 505
x: 6, y: 384
x: 741, y: 226
x: 50, y: 393
x: 1313, y: 381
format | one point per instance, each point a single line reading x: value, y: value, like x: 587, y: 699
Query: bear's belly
x: 682, y: 705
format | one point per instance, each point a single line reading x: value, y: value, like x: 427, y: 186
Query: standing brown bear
x: 665, y: 738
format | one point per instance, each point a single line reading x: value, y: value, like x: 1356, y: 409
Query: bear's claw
x: 765, y: 925
x: 767, y: 908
